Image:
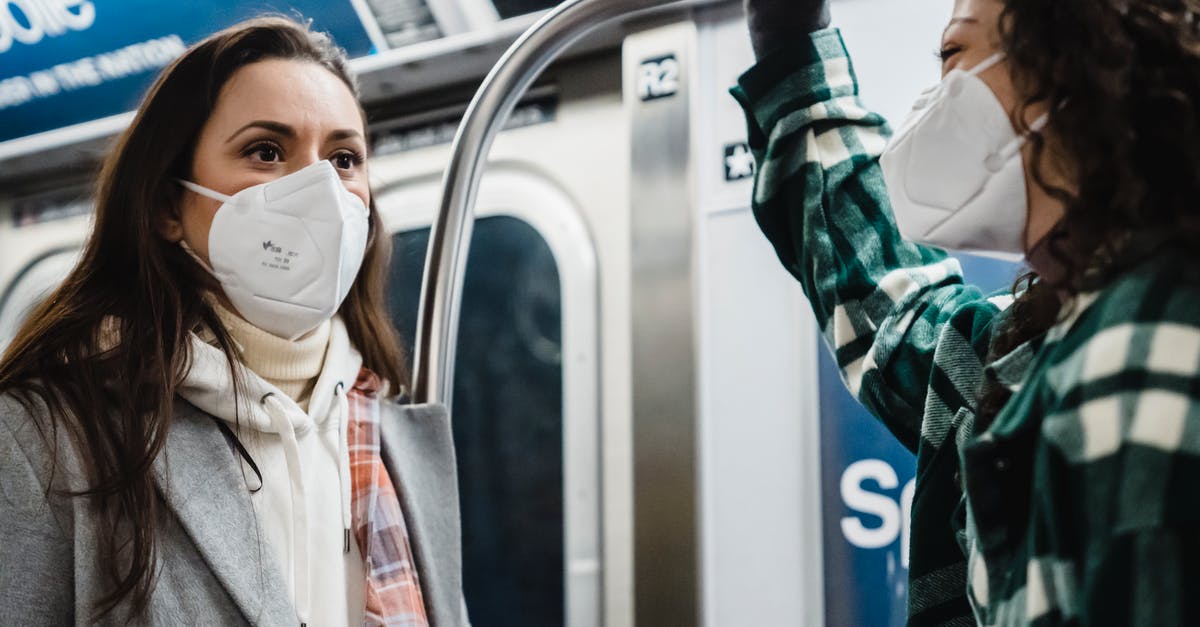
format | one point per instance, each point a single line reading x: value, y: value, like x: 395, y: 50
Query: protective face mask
x: 954, y: 169
x: 286, y: 252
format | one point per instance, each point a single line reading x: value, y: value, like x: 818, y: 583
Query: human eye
x: 263, y: 152
x: 947, y: 52
x: 347, y: 159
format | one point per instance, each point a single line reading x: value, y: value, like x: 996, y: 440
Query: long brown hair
x: 1122, y: 82
x: 107, y: 350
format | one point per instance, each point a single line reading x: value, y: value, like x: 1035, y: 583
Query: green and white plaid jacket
x: 1082, y: 500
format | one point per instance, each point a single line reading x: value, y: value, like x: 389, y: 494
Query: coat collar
x: 199, y: 478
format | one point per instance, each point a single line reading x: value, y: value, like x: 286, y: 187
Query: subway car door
x: 525, y: 404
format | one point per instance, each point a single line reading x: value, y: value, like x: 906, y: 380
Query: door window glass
x: 507, y: 417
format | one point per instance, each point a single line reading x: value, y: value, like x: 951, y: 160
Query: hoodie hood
x: 209, y: 386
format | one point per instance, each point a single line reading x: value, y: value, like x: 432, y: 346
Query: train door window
x: 507, y: 418
x: 524, y: 416
x: 29, y: 287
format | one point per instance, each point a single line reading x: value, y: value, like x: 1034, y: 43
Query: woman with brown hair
x: 199, y: 426
x: 1057, y: 430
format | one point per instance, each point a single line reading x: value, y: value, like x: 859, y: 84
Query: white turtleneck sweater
x: 290, y: 365
x: 292, y: 422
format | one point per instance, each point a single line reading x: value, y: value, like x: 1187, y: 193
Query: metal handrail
x: 437, y: 320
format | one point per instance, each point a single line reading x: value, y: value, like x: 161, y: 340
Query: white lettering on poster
x: 29, y: 21
x: 91, y: 71
x: 14, y: 91
x: 894, y: 515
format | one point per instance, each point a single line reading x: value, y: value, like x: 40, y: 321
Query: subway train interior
x: 648, y: 429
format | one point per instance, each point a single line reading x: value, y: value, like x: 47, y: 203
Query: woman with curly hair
x: 200, y: 426
x: 1057, y: 430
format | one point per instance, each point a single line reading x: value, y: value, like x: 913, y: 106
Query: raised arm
x: 908, y: 335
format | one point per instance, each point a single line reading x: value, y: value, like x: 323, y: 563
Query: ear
x: 170, y: 227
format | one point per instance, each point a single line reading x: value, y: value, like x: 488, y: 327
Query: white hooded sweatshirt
x: 303, y: 505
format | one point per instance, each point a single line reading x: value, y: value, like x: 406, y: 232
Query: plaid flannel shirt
x: 1078, y: 507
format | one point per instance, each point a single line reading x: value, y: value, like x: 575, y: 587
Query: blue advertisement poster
x: 64, y: 62
x: 867, y: 484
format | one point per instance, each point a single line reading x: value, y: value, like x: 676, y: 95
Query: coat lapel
x: 418, y: 450
x: 201, y: 483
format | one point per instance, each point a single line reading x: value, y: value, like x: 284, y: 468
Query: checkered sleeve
x: 907, y: 334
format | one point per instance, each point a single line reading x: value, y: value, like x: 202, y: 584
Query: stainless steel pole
x: 437, y: 320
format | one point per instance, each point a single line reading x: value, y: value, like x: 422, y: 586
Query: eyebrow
x: 290, y: 133
x: 345, y: 133
x: 960, y: 20
x: 275, y: 127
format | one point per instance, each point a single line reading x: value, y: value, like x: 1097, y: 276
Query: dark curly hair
x: 1122, y: 82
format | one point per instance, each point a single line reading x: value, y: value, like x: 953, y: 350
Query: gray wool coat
x: 213, y: 566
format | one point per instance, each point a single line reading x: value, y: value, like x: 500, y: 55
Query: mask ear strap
x: 191, y: 253
x: 1040, y: 123
x: 1000, y: 157
x: 986, y: 64
x: 204, y: 191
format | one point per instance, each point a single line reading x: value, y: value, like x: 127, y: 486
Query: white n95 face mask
x: 954, y: 169
x: 287, y: 252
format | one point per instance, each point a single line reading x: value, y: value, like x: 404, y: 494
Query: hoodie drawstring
x: 287, y: 433
x: 343, y: 405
